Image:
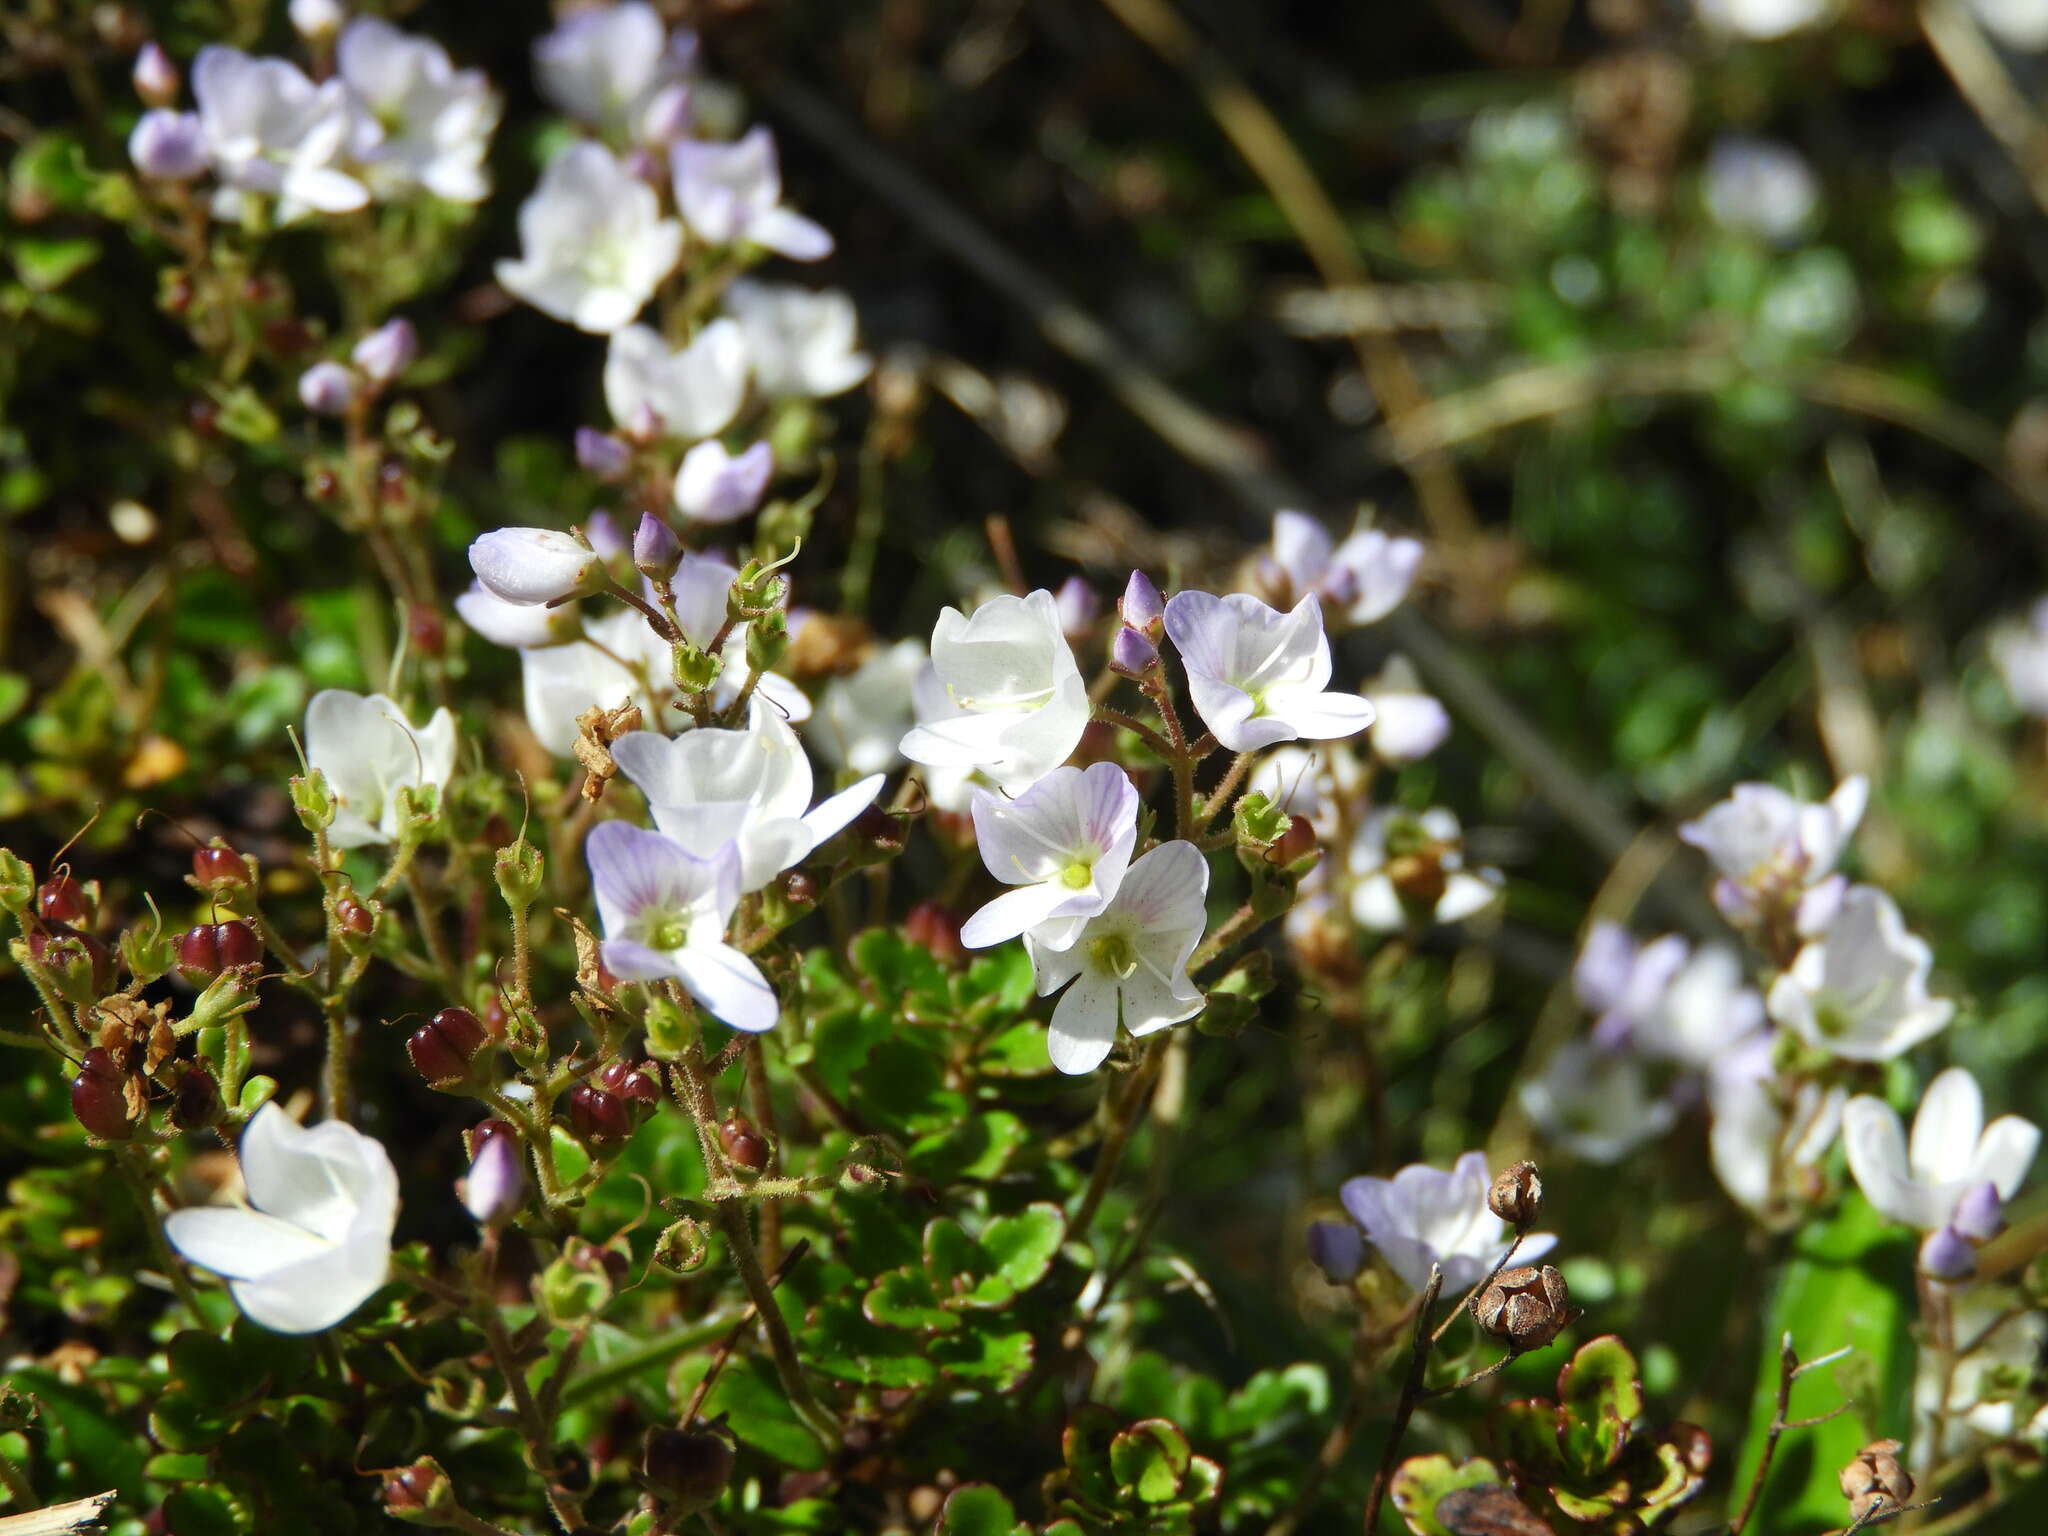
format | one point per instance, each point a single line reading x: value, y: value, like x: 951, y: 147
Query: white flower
x: 861, y: 718
x: 622, y: 660
x: 1423, y: 1216
x: 368, y: 751
x: 516, y: 624
x: 1002, y: 693
x: 1771, y: 850
x: 593, y: 243
x: 1622, y: 983
x: 1259, y: 677
x: 271, y: 130
x: 1763, y: 20
x: 2020, y: 652
x: 1406, y: 868
x: 421, y: 122
x: 752, y: 788
x: 1363, y: 579
x: 1596, y: 1103
x: 533, y: 566
x: 799, y: 342
x: 1408, y: 723
x: 2021, y: 24
x: 1761, y: 186
x: 614, y: 67
x: 665, y: 913
x: 1952, y: 1151
x: 1756, y: 1136
x: 1860, y: 990
x: 1706, y: 1011
x: 690, y: 394
x: 1320, y: 784
x: 1064, y: 844
x: 714, y: 486
x: 314, y: 1242
x: 1129, y: 961
x: 731, y: 194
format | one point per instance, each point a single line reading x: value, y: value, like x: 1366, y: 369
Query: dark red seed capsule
x: 596, y: 1118
x: 354, y: 917
x: 99, y: 1097
x: 483, y: 1133
x: 61, y: 899
x: 196, y: 1103
x: 743, y: 1144
x: 237, y: 944
x: 462, y: 1030
x: 631, y: 1086
x: 219, y: 868
x: 199, y: 954
x: 439, y: 1062
x: 687, y: 1467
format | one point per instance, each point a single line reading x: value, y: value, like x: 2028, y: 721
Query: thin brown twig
x: 1411, y: 1394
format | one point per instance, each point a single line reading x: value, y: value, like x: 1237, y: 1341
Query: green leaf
x: 1019, y: 1249
x: 949, y: 1253
x: 201, y: 1509
x: 46, y: 264
x: 107, y: 1454
x: 904, y: 1298
x: 1004, y: 980
x: 1600, y: 1395
x: 1149, y: 1459
x: 997, y: 1360
x: 977, y: 1509
x: 207, y: 1370
x: 757, y: 1410
x: 841, y: 1342
x: 174, y: 1467
x: 978, y: 1149
x: 1421, y: 1481
x: 1268, y: 1405
x: 1016, y: 1051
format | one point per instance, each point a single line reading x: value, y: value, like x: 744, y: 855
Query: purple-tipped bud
x: 1337, y: 1249
x: 668, y: 116
x: 601, y: 454
x: 155, y: 76
x: 1142, y: 607
x: 602, y: 531
x: 168, y: 146
x: 495, y: 1187
x: 1131, y: 654
x: 1980, y: 1214
x: 1078, y: 605
x: 388, y: 350
x: 1947, y: 1255
x: 656, y: 549
x: 327, y: 389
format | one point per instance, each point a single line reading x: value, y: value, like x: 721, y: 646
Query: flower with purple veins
x: 1258, y: 676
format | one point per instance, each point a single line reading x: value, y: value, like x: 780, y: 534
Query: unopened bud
x: 317, y: 21
x: 1947, y: 1255
x: 656, y: 549
x: 1526, y: 1307
x: 668, y: 116
x: 495, y: 1186
x: 935, y: 928
x: 156, y: 77
x: 1875, y: 1481
x: 533, y: 566
x: 1078, y: 607
x: 713, y: 486
x: 1980, y: 1214
x: 168, y: 146
x: 1142, y: 608
x: 1132, y: 654
x: 99, y: 1097
x: 1517, y: 1196
x: 388, y: 350
x: 327, y: 389
x: 601, y: 454
x: 686, y: 1468
x: 744, y: 1146
x: 1337, y: 1248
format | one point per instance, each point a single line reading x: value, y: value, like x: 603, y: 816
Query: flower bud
x: 713, y: 486
x: 388, y: 350
x: 935, y: 928
x: 1132, y: 654
x: 1142, y: 608
x: 327, y: 389
x: 1947, y: 1255
x: 520, y: 870
x: 601, y: 454
x: 1337, y: 1248
x: 99, y: 1096
x: 156, y: 78
x: 596, y: 1118
x: 744, y: 1146
x: 532, y: 566
x: 1526, y: 1307
x: 1078, y: 607
x: 61, y: 899
x: 80, y: 965
x: 686, y: 1468
x: 217, y: 869
x: 196, y: 1102
x: 1875, y: 1480
x: 495, y: 1187
x: 656, y: 549
x: 168, y: 146
x: 1980, y: 1214
x: 317, y: 21
x: 1517, y: 1196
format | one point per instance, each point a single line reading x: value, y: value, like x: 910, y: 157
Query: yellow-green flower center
x: 1075, y: 876
x: 1114, y: 953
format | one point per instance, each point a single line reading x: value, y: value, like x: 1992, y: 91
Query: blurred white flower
x: 716, y: 486
x: 1424, y: 1216
x: 691, y: 394
x: 593, y: 243
x: 799, y: 342
x: 860, y: 718
x: 270, y: 130
x: 1596, y: 1103
x: 1622, y: 983
x: 1001, y: 694
x: 420, y: 121
x: 1707, y: 1011
x: 316, y: 20
x: 1860, y: 990
x: 516, y: 624
x: 1757, y: 1136
x: 1129, y: 961
x: 2020, y: 652
x: 731, y: 194
x: 1407, y: 869
x: 1763, y: 20
x: 1986, y: 1387
x: 622, y: 660
x: 1062, y: 846
x: 1951, y: 1154
x: 1408, y: 723
x: 1363, y: 579
x: 1772, y: 851
x: 1257, y: 676
x: 314, y: 1242
x: 615, y: 67
x: 368, y: 751
x: 1761, y: 186
x: 386, y: 352
x: 2021, y: 24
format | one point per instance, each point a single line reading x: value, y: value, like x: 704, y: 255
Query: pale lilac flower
x: 327, y: 389
x: 1363, y: 579
x: 1452, y: 892
x: 1001, y: 694
x: 314, y: 1241
x: 1623, y: 984
x: 1129, y: 960
x: 665, y: 912
x: 861, y: 717
x: 1951, y: 1154
x: 689, y: 394
x: 495, y: 1187
x: 616, y: 68
x: 387, y: 351
x: 316, y: 20
x: 1337, y: 1248
x: 368, y: 751
x: 1596, y: 1103
x: 1860, y: 990
x: 421, y: 122
x: 1707, y: 1010
x: 270, y: 130
x: 1757, y: 1134
x: 1760, y: 186
x: 601, y: 454
x: 1408, y: 723
x: 155, y: 77
x: 1763, y: 20
x: 799, y: 343
x: 2020, y: 652
x: 1259, y: 677
x: 593, y: 243
x: 751, y: 788
x: 532, y: 565
x: 1423, y: 1217
x: 517, y: 625
x: 714, y: 486
x: 169, y: 146
x: 731, y: 194
x: 1772, y: 851
x: 1064, y: 844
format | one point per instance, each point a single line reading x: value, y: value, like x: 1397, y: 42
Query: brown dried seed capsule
x: 686, y: 1467
x: 1527, y: 1306
x: 1517, y: 1196
x: 1875, y: 1481
x: 743, y: 1144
